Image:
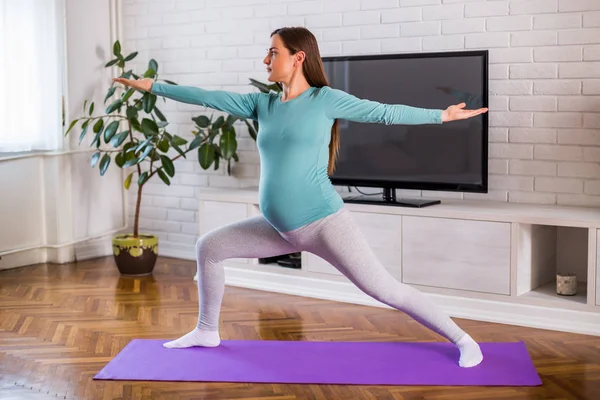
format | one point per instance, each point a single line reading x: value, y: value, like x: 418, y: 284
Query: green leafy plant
x: 133, y: 132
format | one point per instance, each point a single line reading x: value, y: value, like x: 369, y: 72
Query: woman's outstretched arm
x: 237, y: 104
x: 342, y: 105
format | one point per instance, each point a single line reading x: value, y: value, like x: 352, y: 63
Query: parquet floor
x: 60, y: 324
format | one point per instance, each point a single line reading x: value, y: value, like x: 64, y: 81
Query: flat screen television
x: 437, y: 157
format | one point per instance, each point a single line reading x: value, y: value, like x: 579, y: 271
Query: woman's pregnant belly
x: 289, y: 201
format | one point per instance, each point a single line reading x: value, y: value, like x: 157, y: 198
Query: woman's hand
x: 456, y: 112
x: 144, y: 84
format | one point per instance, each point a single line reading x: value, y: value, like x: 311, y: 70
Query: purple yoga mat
x: 368, y: 363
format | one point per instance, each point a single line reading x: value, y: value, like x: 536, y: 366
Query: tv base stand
x: 398, y: 203
x: 389, y: 199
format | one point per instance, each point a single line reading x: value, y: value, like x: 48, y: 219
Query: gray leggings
x: 336, y: 239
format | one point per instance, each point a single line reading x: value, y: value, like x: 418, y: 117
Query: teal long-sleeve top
x: 293, y: 142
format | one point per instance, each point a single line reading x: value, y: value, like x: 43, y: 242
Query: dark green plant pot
x: 135, y: 256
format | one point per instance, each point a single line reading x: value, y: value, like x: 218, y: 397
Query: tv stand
x: 389, y: 199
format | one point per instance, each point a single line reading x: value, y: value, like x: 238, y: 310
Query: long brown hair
x: 301, y: 39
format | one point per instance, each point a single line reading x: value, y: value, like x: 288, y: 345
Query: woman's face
x: 279, y: 61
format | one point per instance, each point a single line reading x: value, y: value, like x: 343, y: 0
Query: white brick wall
x: 544, y: 87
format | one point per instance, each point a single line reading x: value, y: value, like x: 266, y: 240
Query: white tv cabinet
x: 478, y: 260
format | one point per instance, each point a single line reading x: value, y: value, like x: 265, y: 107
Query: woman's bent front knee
x: 209, y: 247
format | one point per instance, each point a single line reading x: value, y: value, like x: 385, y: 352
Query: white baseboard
x: 458, y: 307
x: 99, y: 247
x: 93, y: 248
x: 23, y: 258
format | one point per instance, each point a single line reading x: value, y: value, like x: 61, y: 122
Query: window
x: 31, y: 75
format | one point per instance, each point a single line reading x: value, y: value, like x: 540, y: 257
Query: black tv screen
x: 450, y: 157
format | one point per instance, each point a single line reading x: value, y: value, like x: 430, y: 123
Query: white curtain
x: 31, y: 74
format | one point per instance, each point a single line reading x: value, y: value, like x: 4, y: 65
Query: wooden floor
x: 60, y: 324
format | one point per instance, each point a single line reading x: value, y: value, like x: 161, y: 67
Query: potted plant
x: 133, y: 134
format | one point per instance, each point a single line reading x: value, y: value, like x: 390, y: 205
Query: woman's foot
x: 195, y: 338
x: 470, y: 353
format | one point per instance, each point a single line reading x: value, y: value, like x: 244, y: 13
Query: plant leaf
x: 111, y: 62
x: 143, y: 178
x: 177, y: 149
x: 218, y: 123
x: 120, y: 159
x: 84, y: 131
x: 71, y: 126
x: 110, y: 130
x: 261, y: 86
x: 212, y: 134
x: 230, y: 121
x: 152, y: 64
x: 168, y: 166
x: 142, y: 144
x: 127, y: 95
x: 159, y: 114
x: 96, y: 140
x: 130, y: 162
x: 110, y: 92
x: 98, y: 125
x: 130, y: 146
x: 117, y: 49
x: 131, y: 112
x: 150, y: 102
x: 179, y: 141
x: 169, y: 82
x: 228, y: 144
x: 91, y: 109
x: 163, y: 176
x: 135, y: 124
x: 131, y: 56
x: 127, y: 182
x: 145, y: 98
x: 127, y: 74
x: 202, y: 121
x: 196, y: 142
x: 118, y: 139
x: 147, y: 151
x: 149, y: 73
x: 163, y: 145
x: 206, y: 155
x: 149, y: 127
x: 104, y: 163
x: 95, y: 159
x: 114, y: 105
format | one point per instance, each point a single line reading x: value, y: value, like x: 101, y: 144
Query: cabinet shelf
x: 545, y: 250
x: 547, y: 292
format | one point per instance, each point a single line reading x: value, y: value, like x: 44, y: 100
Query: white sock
x: 470, y: 353
x: 196, y: 337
